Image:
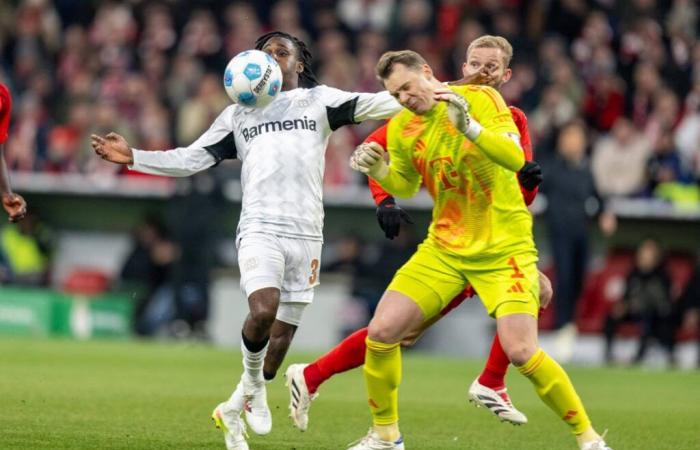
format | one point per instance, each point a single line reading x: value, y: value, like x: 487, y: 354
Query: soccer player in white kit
x: 279, y: 236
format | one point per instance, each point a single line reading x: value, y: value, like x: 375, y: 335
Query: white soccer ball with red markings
x: 253, y: 78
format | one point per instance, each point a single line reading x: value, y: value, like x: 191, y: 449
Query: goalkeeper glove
x: 369, y: 159
x: 530, y: 176
x: 390, y: 216
x: 458, y: 113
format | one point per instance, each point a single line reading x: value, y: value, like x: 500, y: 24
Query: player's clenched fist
x: 113, y: 148
x: 15, y: 206
x: 369, y: 159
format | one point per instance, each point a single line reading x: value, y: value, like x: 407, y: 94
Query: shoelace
x: 505, y: 397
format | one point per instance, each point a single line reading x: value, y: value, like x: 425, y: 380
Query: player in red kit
x: 13, y: 203
x: 486, y: 63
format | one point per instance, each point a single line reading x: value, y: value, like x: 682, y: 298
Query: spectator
x: 553, y: 112
x: 647, y: 82
x: 605, y: 102
x: 197, y: 113
x: 687, y: 135
x: 688, y: 308
x: 146, y: 272
x: 360, y: 14
x: 619, y: 161
x: 664, y: 167
x: 25, y: 252
x: 646, y: 302
x: 569, y: 188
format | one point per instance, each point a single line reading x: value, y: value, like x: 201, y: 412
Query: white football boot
x: 498, y: 402
x: 598, y: 444
x: 257, y: 413
x: 372, y: 442
x: 299, y: 397
x: 229, y: 421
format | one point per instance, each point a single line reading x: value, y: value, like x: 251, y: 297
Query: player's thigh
x: 260, y: 261
x: 430, y: 279
x: 395, y: 316
x: 508, y: 284
x: 302, y: 262
x: 412, y: 337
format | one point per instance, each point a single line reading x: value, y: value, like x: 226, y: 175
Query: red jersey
x: 5, y: 111
x: 379, y: 136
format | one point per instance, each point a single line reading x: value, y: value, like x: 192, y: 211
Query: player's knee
x: 410, y: 340
x: 519, y: 353
x: 262, y: 319
x: 263, y: 306
x: 383, y: 333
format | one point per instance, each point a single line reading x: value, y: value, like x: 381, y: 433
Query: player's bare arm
x: 483, y: 77
x: 14, y: 204
x: 113, y: 148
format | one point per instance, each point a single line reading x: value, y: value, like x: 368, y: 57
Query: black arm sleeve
x: 343, y: 114
x: 224, y: 149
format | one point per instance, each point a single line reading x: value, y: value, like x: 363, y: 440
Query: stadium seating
x: 605, y: 285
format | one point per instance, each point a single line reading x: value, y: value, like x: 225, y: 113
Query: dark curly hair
x: 307, y: 78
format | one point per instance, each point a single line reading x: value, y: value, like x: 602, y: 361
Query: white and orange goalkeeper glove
x: 369, y: 159
x: 458, y: 113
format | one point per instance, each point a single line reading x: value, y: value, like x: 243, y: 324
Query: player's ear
x: 464, y: 69
x: 507, y: 74
x: 427, y: 71
x: 300, y: 67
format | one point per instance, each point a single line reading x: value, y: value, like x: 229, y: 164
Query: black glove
x: 390, y: 216
x: 530, y: 176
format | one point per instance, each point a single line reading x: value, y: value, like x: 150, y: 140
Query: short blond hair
x: 489, y: 41
x: 408, y: 58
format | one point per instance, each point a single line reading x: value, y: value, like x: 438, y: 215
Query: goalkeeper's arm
x: 503, y: 149
x: 369, y: 159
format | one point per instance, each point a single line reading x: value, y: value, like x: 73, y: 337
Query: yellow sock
x: 383, y: 376
x: 554, y: 387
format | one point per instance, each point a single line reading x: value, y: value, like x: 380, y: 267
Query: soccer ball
x: 252, y: 78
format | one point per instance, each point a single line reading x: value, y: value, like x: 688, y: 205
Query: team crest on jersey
x: 303, y: 103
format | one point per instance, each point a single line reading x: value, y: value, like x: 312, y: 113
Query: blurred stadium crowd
x: 625, y: 72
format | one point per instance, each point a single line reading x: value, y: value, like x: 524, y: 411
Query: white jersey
x: 282, y: 149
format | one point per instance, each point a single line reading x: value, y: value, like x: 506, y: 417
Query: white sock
x: 253, y: 364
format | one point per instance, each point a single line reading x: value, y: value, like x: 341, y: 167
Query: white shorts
x: 290, y: 265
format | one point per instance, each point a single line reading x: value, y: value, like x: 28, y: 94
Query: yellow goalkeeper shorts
x: 506, y: 284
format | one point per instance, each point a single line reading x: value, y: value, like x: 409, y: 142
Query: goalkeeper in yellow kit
x: 462, y: 144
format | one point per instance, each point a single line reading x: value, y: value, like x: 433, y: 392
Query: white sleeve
x: 345, y: 108
x: 212, y: 147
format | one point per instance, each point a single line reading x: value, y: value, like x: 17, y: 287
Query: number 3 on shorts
x: 314, y: 271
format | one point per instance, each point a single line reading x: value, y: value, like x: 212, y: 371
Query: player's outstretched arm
x: 501, y: 148
x: 14, y: 204
x: 113, y: 148
x: 216, y: 144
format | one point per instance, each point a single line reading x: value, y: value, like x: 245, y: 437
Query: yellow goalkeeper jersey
x: 478, y: 209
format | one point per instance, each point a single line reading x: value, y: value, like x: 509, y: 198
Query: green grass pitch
x: 126, y: 395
